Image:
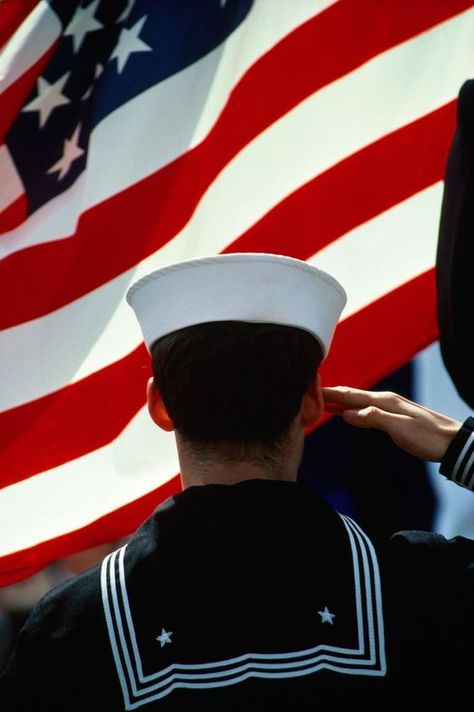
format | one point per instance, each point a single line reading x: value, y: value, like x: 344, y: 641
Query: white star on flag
x: 83, y: 22
x: 164, y: 638
x: 326, y: 616
x: 49, y: 97
x: 71, y: 151
x: 128, y: 43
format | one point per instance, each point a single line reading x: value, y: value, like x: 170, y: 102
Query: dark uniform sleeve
x: 455, y: 257
x: 430, y: 611
x: 54, y: 665
x: 458, y: 462
x: 22, y: 682
x: 430, y: 594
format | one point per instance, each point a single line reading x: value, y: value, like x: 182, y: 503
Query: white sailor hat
x: 249, y: 287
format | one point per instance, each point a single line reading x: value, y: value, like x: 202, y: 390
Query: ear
x: 312, y: 406
x: 157, y: 408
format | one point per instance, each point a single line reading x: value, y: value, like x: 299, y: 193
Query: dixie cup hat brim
x: 248, y: 287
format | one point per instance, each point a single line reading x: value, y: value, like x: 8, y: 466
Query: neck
x: 230, y: 474
x: 214, y: 468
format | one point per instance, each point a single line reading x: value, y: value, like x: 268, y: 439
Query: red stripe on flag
x: 384, y: 336
x: 387, y: 335
x: 178, y: 187
x: 119, y: 523
x: 14, y: 214
x: 75, y: 420
x: 399, y: 160
x: 393, y: 168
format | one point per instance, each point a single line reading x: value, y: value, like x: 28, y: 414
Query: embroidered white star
x: 49, y: 97
x: 71, y: 151
x: 164, y: 638
x: 326, y: 616
x: 83, y: 21
x: 128, y: 43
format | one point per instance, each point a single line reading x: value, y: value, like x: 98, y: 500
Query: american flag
x: 141, y: 132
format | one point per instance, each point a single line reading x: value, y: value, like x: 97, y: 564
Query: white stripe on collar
x: 367, y: 658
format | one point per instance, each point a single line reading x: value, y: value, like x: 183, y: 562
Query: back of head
x: 234, y: 382
x: 235, y: 341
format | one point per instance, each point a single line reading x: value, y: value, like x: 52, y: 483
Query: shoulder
x: 64, y: 613
x: 69, y: 598
x: 429, y: 587
x: 430, y: 560
x: 428, y: 583
x: 59, y: 637
x: 430, y: 547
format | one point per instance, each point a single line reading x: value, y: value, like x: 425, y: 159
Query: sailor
x: 244, y: 591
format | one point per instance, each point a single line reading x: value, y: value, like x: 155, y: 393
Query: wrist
x: 458, y: 461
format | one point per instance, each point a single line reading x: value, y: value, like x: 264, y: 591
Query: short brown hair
x: 234, y: 382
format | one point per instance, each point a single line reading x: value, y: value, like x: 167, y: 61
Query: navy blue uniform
x: 247, y: 597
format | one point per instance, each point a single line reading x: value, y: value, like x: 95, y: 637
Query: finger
x: 345, y: 396
x: 354, y: 398
x: 373, y: 417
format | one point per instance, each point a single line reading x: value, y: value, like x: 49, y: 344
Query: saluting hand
x: 420, y: 431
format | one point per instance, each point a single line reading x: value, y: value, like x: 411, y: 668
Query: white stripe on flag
x: 268, y: 22
x: 385, y: 252
x: 71, y: 496
x: 11, y: 187
x: 324, y: 129
x: 33, y: 38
